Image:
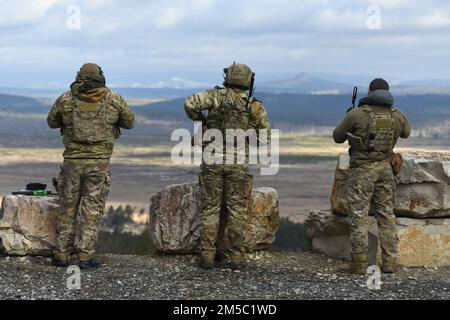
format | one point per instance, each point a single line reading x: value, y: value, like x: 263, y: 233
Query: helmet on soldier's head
x: 238, y: 75
x: 90, y: 69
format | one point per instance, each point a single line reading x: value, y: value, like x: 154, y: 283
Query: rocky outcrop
x: 423, y: 189
x: 27, y: 225
x: 423, y: 242
x: 175, y: 219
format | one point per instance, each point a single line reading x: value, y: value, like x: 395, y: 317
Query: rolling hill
x: 314, y: 110
x: 20, y: 104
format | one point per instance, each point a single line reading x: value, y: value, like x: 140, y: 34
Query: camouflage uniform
x: 373, y: 181
x: 89, y: 130
x: 372, y: 130
x: 226, y: 187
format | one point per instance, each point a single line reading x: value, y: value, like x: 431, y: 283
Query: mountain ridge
x: 301, y: 83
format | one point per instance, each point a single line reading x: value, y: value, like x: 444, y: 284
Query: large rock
x: 423, y: 242
x: 175, y: 219
x: 423, y: 189
x: 28, y: 225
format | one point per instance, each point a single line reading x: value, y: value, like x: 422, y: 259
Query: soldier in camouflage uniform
x: 372, y: 131
x: 227, y: 185
x: 89, y: 116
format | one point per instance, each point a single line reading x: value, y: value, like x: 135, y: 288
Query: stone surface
x: 423, y: 242
x: 423, y: 189
x: 175, y: 219
x: 27, y: 225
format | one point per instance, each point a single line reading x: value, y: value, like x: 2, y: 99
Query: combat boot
x: 61, y: 260
x: 206, y: 261
x: 389, y: 266
x: 358, y: 265
x: 237, y: 262
x: 220, y: 257
x: 88, y: 262
x: 60, y: 263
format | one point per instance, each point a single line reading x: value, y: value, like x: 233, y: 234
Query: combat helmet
x: 91, y: 70
x: 238, y: 75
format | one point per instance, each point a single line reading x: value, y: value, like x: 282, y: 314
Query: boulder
x: 175, y: 219
x: 423, y: 189
x: 422, y: 242
x: 27, y: 225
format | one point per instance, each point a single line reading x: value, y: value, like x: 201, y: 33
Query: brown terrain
x: 304, y: 180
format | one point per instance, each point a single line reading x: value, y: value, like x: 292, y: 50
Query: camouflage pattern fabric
x: 227, y: 186
x: 88, y: 81
x: 372, y: 185
x: 230, y: 186
x: 83, y: 188
x: 354, y: 129
x: 85, y: 180
x: 239, y: 75
x: 118, y: 115
x: 226, y: 110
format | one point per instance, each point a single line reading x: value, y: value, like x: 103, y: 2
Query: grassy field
x: 304, y: 180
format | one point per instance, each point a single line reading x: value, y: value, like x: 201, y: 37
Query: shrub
x: 291, y: 236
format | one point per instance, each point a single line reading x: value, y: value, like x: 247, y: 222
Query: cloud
x: 25, y: 12
x: 169, y: 18
x: 435, y: 19
x: 155, y: 42
x: 174, y: 82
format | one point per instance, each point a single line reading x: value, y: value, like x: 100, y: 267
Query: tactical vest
x: 230, y: 114
x: 380, y: 132
x: 89, y: 122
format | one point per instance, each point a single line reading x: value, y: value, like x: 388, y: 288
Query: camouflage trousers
x: 371, y: 187
x: 226, y: 192
x: 83, y: 188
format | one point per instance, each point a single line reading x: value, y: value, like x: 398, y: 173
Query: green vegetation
x: 291, y: 236
x: 119, y: 241
x: 125, y: 243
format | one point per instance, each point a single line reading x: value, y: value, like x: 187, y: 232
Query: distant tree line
x: 119, y: 241
x: 291, y: 236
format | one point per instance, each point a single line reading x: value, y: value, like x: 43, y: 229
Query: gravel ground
x: 270, y: 276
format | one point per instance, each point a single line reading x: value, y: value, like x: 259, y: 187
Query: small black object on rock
x: 36, y: 187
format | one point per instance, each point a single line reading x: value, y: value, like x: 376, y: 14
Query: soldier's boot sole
x: 60, y: 263
x: 90, y: 264
x: 61, y: 259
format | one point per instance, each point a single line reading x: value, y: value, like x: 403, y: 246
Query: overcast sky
x: 153, y: 43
